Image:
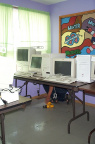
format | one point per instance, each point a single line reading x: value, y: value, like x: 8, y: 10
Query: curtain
x: 6, y: 30
x: 34, y: 29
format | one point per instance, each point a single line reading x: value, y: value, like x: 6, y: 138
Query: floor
x: 38, y: 125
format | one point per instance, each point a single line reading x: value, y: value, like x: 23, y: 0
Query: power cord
x: 10, y: 90
x: 20, y: 87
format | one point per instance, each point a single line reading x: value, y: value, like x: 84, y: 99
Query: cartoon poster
x: 78, y: 34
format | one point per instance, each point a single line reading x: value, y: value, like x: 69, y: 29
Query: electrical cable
x: 10, y: 90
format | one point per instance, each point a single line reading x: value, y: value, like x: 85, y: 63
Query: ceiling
x: 48, y: 2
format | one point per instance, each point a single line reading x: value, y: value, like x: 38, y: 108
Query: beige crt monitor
x: 47, y: 63
x: 64, y: 66
x: 23, y: 55
x: 35, y: 65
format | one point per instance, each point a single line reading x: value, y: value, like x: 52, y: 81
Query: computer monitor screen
x: 36, y: 63
x: 64, y: 66
x: 22, y: 55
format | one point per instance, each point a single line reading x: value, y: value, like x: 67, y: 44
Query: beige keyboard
x: 62, y: 79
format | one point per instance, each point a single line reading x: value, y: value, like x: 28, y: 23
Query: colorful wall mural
x: 77, y: 34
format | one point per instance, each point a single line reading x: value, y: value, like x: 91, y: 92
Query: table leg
x: 74, y: 116
x: 15, y: 82
x: 2, y: 129
x: 73, y: 104
x: 26, y: 90
x: 90, y: 135
x: 84, y: 107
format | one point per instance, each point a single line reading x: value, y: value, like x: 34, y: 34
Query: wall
x: 27, y: 4
x: 31, y: 90
x: 65, y: 8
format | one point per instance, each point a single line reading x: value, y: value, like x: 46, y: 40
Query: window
x: 34, y: 28
x: 6, y: 30
x: 23, y: 27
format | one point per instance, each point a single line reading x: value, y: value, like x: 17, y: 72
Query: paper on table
x: 1, y: 102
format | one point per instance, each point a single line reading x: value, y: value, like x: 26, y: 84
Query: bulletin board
x: 77, y: 34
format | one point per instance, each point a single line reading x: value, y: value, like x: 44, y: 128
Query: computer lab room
x: 47, y: 75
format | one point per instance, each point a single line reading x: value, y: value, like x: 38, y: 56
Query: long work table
x: 72, y: 89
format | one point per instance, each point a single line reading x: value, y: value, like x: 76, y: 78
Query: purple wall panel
x: 27, y: 4
x: 88, y: 98
x: 32, y: 89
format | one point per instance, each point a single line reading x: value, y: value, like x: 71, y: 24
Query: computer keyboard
x: 29, y: 74
x: 18, y: 73
x: 61, y: 79
x: 22, y: 74
x: 38, y: 78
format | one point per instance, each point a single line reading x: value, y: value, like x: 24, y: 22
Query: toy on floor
x: 49, y: 105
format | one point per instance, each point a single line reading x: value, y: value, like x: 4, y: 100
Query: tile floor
x: 38, y: 125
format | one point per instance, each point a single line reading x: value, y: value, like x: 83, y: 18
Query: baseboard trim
x: 88, y: 104
x: 43, y: 96
x: 40, y: 96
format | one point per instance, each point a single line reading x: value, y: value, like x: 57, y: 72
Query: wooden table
x: 21, y: 103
